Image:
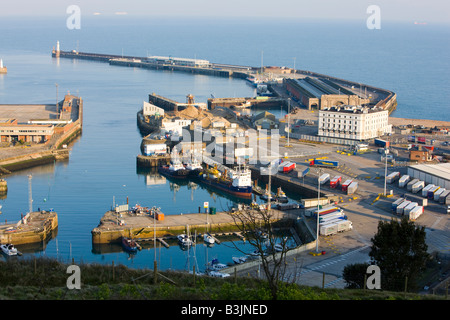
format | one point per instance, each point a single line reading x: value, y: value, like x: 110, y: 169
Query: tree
x: 257, y: 225
x: 354, y: 275
x: 399, y: 249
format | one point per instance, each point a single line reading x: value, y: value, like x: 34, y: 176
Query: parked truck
x: 324, y: 163
x: 382, y: 143
x: 324, y: 178
x: 409, y: 207
x: 421, y: 201
x: 328, y: 229
x: 402, y: 206
x: 396, y: 203
x: 425, y: 190
x: 346, y: 184
x: 351, y: 189
x: 403, y: 181
x: 432, y: 191
x: 415, y: 213
x: 417, y: 186
x: 411, y: 183
x: 303, y: 173
x: 335, y: 182
x: 438, y: 193
x: 392, y: 177
x: 443, y: 196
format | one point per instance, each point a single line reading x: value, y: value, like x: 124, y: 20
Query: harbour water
x: 410, y: 60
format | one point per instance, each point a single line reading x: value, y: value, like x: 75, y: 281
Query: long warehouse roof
x: 441, y: 170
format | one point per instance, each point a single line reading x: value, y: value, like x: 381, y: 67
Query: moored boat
x: 175, y: 170
x: 236, y: 182
x: 209, y: 239
x: 130, y: 245
x: 184, y: 240
x: 9, y: 249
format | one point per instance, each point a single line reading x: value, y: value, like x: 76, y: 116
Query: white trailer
x: 443, y: 196
x: 352, y: 187
x: 396, y: 203
x: 415, y: 213
x: 411, y: 183
x: 409, y: 207
x: 392, y: 177
x: 328, y: 229
x: 438, y: 193
x: 403, y: 181
x: 329, y: 221
x: 417, y: 186
x: 344, y: 225
x: 425, y: 190
x: 324, y: 178
x: 337, y: 214
x: 402, y: 206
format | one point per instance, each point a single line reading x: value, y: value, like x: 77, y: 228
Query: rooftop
x: 441, y: 170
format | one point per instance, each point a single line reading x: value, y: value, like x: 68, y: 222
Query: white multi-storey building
x: 353, y: 122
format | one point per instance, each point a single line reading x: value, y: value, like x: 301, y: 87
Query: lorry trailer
x: 403, y: 181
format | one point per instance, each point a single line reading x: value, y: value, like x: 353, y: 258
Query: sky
x: 430, y: 11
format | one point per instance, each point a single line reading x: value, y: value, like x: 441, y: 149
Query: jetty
x: 115, y: 225
x: 34, y: 227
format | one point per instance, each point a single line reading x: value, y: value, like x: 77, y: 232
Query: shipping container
x: 425, y: 189
x: 402, y: 206
x: 327, y: 218
x: 417, y: 186
x: 415, y: 213
x: 403, y: 181
x: 286, y: 167
x: 392, y: 177
x: 413, y: 198
x: 409, y: 207
x: 346, y: 184
x: 326, y: 210
x: 422, y: 140
x: 438, y: 193
x: 303, y: 173
x: 411, y: 139
x: 396, y: 203
x: 311, y: 203
x: 382, y: 143
x: 432, y: 191
x: 443, y: 196
x: 351, y: 189
x: 328, y: 229
x: 324, y: 163
x: 411, y: 183
x: 324, y: 178
x: 335, y: 182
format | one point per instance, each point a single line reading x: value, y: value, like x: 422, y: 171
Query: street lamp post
x: 318, y: 206
x: 289, y: 121
x: 386, y: 151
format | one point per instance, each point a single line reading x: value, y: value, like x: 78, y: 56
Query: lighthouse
x: 56, y: 52
x: 2, y: 67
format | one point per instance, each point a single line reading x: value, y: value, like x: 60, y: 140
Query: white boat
x: 239, y: 260
x: 184, y: 239
x: 209, y: 239
x: 215, y: 265
x: 9, y: 249
x: 218, y: 274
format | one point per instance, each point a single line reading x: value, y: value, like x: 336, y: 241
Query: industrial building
x: 179, y: 61
x: 318, y: 94
x: 437, y: 174
x: 353, y: 122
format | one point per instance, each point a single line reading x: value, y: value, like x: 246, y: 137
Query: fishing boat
x: 194, y: 167
x: 130, y: 245
x: 236, y: 182
x: 9, y: 249
x: 175, y: 170
x: 281, y: 196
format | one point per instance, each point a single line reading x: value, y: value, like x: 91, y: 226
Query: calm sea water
x: 411, y: 60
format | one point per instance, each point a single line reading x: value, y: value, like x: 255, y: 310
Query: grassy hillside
x: 46, y: 279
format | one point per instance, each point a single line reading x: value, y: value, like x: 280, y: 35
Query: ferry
x: 236, y: 182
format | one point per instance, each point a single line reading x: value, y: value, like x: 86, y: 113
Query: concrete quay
x: 35, y: 227
x: 113, y: 226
